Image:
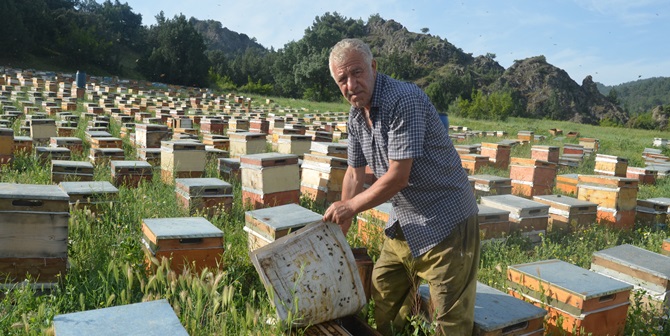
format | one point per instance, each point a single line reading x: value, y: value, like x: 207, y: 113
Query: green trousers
x: 450, y: 269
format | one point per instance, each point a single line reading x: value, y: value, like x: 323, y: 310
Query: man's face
x: 355, y: 78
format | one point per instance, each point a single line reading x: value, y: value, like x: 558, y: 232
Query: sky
x: 614, y: 41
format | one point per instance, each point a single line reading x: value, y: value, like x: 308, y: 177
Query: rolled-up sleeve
x: 407, y: 128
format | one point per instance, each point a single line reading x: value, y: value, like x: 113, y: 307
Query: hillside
x: 221, y: 38
x: 642, y: 95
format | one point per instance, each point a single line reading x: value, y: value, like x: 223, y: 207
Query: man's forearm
x: 352, y: 184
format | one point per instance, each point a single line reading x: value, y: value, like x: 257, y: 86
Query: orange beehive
x: 545, y: 153
x: 532, y: 177
x: 499, y: 154
x: 187, y: 241
x: 566, y: 213
x: 616, y: 198
x: 644, y: 175
x: 473, y: 162
x: 567, y: 183
x: 371, y: 223
x: 574, y: 297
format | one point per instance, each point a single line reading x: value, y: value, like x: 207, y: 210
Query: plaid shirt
x: 406, y: 125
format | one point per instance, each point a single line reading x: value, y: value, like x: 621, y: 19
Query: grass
x: 108, y: 268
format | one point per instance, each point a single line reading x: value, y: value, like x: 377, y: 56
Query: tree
x: 425, y: 30
x: 175, y: 53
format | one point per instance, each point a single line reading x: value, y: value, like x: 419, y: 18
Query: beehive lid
x: 41, y: 149
x: 203, y: 186
x: 153, y: 318
x: 108, y: 151
x: 151, y: 127
x: 608, y: 181
x: 545, y: 148
x: 328, y: 147
x: 32, y: 192
x: 181, y: 228
x: 660, y: 200
x: 567, y: 177
x: 495, y: 310
x: 610, y: 158
x: 122, y: 164
x: 564, y: 201
x: 284, y: 217
x: 243, y: 136
x: 184, y: 145
x: 98, y: 134
x: 517, y: 206
x: 485, y: 211
x: 78, y: 164
x: 269, y: 159
x: 580, y: 282
x: 490, y: 180
x: 88, y: 188
x: 230, y: 162
x: 6, y: 132
x: 66, y: 140
x: 312, y: 273
x: 638, y: 260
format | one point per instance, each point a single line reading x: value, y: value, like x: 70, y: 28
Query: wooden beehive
x: 106, y: 142
x: 6, y: 145
x: 150, y: 155
x: 590, y: 143
x: 496, y: 313
x: 644, y: 175
x: 526, y: 136
x: 545, y: 153
x: 304, y: 269
x: 216, y: 140
x: 270, y: 179
x: 610, y: 165
x: 229, y: 169
x: 65, y: 170
x: 150, y: 135
x: 182, y: 159
x: 46, y: 154
x: 184, y: 240
x: 329, y: 149
x: 493, y: 222
x: 651, y: 214
x: 213, y: 126
x: 33, y: 233
x: 130, y: 173
x: 487, y: 185
x: 574, y: 297
x: 616, y: 198
x: 567, y: 213
x: 43, y: 129
x: 322, y: 177
x: 294, y: 144
x: 209, y: 195
x: 371, y: 223
x: 74, y: 144
x: 259, y: 126
x: 102, y: 156
x: 152, y: 318
x: 90, y: 194
x: 275, y: 222
x: 236, y: 125
x: 532, y: 177
x: 647, y: 271
x: 473, y: 162
x: 246, y: 143
x: 573, y: 149
x: 567, y: 183
x: 527, y: 217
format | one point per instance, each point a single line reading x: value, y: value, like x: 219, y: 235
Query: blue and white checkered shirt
x: 406, y: 125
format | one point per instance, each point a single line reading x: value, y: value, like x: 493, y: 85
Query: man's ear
x: 374, y: 65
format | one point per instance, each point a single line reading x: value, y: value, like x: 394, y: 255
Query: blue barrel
x: 80, y: 79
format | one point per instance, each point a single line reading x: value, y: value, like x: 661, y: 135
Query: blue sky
x: 615, y: 41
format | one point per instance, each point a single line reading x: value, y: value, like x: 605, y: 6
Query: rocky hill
x: 221, y: 38
x: 642, y: 95
x: 548, y: 92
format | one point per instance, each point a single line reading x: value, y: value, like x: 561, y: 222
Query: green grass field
x: 107, y: 265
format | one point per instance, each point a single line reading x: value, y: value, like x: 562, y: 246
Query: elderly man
x: 432, y: 233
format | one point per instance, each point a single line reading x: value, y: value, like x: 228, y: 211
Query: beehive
x: 294, y: 144
x: 213, y: 126
x: 473, y: 162
x: 487, y: 185
x: 527, y: 217
x: 329, y: 149
x: 182, y: 159
x: 644, y: 175
x: 74, y: 144
x: 647, y: 271
x: 259, y: 126
x: 150, y: 155
x: 611, y: 165
x: 616, y: 198
x: 33, y: 233
x: 302, y: 270
x: 496, y: 313
x: 493, y: 222
x: 590, y: 144
x: 130, y: 173
x: 90, y: 194
x: 184, y: 240
x: 526, y: 136
x: 6, y: 145
x: 371, y: 223
x: 322, y: 177
x: 267, y: 225
x: 567, y: 183
x: 651, y: 214
x: 106, y: 142
x: 216, y: 140
x: 567, y: 213
x: 208, y: 195
x: 574, y: 297
x: 532, y: 177
x: 573, y: 149
x: 152, y: 318
x: 102, y: 156
x: 270, y: 179
x: 65, y: 170
x: 229, y: 169
x: 41, y: 130
x: 46, y: 154
x: 545, y: 153
x: 150, y: 135
x: 246, y: 143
